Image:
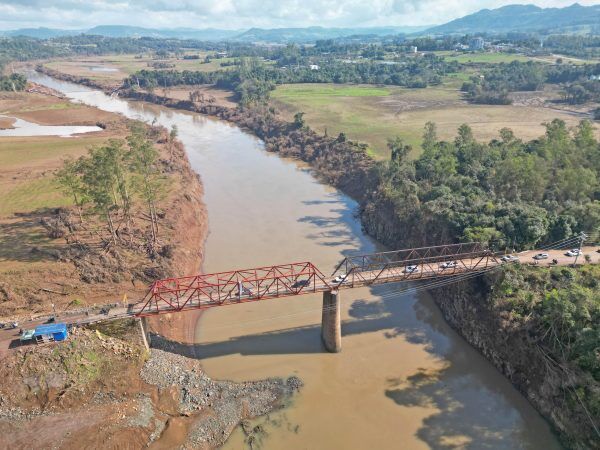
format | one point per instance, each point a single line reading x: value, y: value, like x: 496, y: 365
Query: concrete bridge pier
x: 143, y: 322
x: 331, y: 328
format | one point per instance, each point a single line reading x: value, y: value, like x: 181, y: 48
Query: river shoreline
x: 203, y: 412
x: 338, y: 163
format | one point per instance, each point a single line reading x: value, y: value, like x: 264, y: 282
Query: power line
x: 429, y: 285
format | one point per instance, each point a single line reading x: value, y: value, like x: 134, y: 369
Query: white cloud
x: 242, y: 13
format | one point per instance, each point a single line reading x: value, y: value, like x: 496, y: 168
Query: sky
x: 241, y: 14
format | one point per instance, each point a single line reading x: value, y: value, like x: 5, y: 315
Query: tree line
x: 252, y: 80
x: 580, y: 83
x: 507, y: 192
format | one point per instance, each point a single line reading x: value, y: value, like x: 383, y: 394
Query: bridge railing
x: 372, y: 261
x: 425, y: 262
x: 238, y: 286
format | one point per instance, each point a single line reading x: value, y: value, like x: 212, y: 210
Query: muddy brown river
x: 404, y: 379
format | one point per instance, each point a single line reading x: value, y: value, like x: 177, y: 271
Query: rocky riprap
x: 217, y: 406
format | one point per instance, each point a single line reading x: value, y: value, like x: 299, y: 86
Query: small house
x: 51, y: 332
x: 313, y: 67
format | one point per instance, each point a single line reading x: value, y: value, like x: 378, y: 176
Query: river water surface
x: 404, y: 379
x: 24, y: 128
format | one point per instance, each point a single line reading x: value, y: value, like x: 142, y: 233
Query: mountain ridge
x: 519, y: 17
x: 273, y: 35
x: 508, y: 18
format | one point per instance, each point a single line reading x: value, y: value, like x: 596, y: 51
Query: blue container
x: 51, y: 332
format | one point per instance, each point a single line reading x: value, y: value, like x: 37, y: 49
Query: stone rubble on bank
x: 218, y: 406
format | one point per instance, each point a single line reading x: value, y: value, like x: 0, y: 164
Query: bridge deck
x: 241, y: 286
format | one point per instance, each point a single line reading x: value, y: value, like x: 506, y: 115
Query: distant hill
x: 208, y: 34
x: 525, y: 18
x: 312, y: 34
x: 274, y: 35
x: 41, y: 33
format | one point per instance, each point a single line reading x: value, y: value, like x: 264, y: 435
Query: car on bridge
x: 410, y: 269
x: 574, y: 252
x: 340, y: 278
x: 449, y: 265
x: 301, y: 283
x: 510, y: 258
x: 540, y: 256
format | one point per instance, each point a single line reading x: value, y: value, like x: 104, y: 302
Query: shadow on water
x: 470, y: 399
x: 337, y: 227
x: 368, y: 317
x: 477, y: 408
x: 463, y: 419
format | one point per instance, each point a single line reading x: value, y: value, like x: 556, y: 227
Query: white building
x: 476, y: 44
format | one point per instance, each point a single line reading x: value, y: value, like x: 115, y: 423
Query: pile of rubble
x: 229, y: 403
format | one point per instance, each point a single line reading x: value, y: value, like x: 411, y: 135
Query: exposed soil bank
x: 116, y: 400
x: 105, y: 392
x: 340, y: 163
x: 518, y: 353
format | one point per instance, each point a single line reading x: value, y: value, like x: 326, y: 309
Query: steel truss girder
x: 238, y: 286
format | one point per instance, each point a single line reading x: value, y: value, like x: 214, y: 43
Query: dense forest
x: 507, y: 192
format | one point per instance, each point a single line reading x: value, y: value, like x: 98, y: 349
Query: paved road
x: 9, y: 338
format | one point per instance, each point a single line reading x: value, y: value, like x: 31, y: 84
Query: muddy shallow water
x: 22, y: 127
x: 404, y: 379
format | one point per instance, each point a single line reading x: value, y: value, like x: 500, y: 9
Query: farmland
x: 114, y: 68
x: 374, y: 114
x: 483, y: 57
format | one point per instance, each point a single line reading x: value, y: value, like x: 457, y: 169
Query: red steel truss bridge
x: 239, y: 286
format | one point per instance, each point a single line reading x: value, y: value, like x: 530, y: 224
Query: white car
x: 574, y: 252
x: 540, y: 256
x: 449, y: 265
x: 411, y: 269
x: 510, y: 258
x: 339, y: 278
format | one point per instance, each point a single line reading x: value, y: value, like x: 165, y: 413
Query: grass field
x: 27, y: 163
x: 27, y: 166
x: 483, y: 57
x: 375, y: 114
x: 26, y: 170
x: 29, y: 255
x: 500, y: 57
x: 33, y: 195
x: 49, y: 110
x: 114, y: 68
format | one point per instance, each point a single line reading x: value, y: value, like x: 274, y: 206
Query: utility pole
x: 582, y: 237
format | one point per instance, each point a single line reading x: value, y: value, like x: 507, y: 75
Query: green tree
x: 399, y: 150
x: 149, y: 183
x: 299, y: 120
x: 429, y: 136
x: 69, y: 178
x: 101, y: 185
